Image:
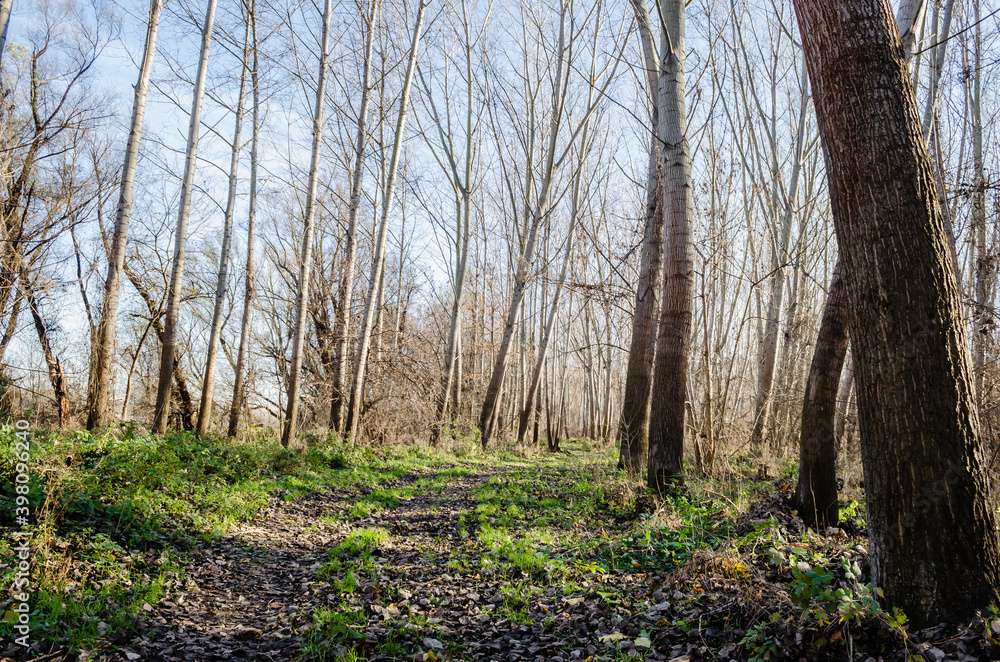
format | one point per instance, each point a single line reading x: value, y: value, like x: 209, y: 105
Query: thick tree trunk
x: 99, y: 411
x: 932, y: 531
x: 633, y: 424
x: 822, y: 419
x: 236, y: 405
x: 169, y: 349
x: 816, y: 492
x: 667, y: 409
x: 208, y: 382
x: 290, y: 427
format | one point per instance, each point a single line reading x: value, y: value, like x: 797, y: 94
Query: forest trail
x: 452, y: 567
x: 250, y: 595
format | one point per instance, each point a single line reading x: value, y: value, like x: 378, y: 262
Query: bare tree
x: 208, y: 380
x: 248, y: 288
x: 667, y: 408
x: 378, y: 259
x: 305, y: 257
x: 346, y: 290
x: 162, y: 411
x: 932, y: 530
x: 99, y: 399
x: 461, y: 183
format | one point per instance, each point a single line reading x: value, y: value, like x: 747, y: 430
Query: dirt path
x: 434, y: 587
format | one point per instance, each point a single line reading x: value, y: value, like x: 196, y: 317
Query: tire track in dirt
x: 252, y: 594
x: 249, y: 594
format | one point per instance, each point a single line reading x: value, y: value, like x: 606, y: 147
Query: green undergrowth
x: 112, y: 514
x: 696, y: 526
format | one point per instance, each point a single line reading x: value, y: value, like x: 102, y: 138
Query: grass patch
x: 114, y: 512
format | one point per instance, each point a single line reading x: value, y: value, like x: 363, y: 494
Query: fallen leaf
x: 642, y: 642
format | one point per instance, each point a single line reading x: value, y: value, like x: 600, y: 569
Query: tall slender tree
x: 208, y: 380
x: 236, y: 405
x: 168, y: 351
x: 99, y: 395
x: 290, y: 428
x: 346, y: 289
x: 378, y: 259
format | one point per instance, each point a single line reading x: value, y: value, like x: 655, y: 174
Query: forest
x: 499, y: 330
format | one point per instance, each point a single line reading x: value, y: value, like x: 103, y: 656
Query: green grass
x: 113, y: 512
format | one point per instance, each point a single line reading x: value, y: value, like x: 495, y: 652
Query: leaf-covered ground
x: 358, y: 554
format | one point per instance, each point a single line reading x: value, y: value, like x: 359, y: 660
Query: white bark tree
x: 168, y: 351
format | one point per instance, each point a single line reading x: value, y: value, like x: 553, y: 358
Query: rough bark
x: 667, y: 408
x: 932, y: 531
x: 816, y: 492
x: 633, y: 424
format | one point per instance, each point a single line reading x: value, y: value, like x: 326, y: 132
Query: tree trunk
x: 932, y: 531
x: 56, y: 376
x: 982, y: 309
x: 909, y: 19
x: 236, y: 405
x: 378, y: 265
x: 822, y: 421
x: 346, y: 290
x: 5, y: 7
x: 208, y: 382
x: 169, y: 349
x: 633, y: 424
x: 290, y: 427
x: 844, y: 404
x: 816, y: 492
x: 99, y: 398
x: 185, y: 404
x: 666, y: 419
